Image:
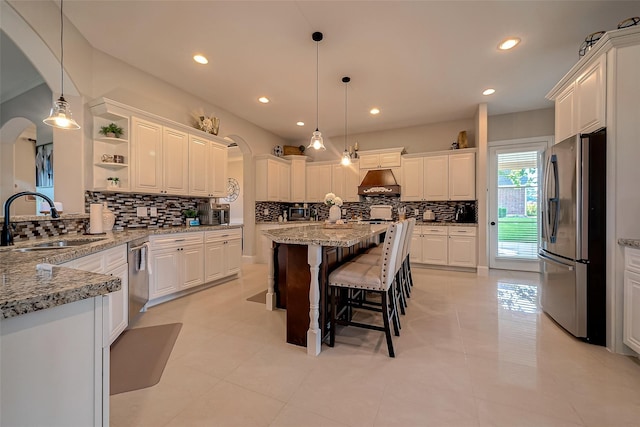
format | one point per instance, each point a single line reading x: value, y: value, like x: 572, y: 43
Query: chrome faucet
x: 7, y: 235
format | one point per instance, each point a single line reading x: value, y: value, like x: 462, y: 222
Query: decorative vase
x: 334, y: 213
x: 108, y: 218
x: 113, y: 184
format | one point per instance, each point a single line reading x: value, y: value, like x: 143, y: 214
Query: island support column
x: 314, y: 334
x: 271, y: 281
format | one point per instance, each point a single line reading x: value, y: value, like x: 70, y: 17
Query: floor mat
x: 261, y: 297
x: 139, y: 355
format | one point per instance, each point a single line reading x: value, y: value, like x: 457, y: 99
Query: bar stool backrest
x: 411, y: 223
x: 390, y: 254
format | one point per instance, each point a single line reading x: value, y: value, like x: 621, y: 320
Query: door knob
x: 493, y: 223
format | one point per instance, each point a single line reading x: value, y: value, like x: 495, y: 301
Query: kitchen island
x: 299, y: 265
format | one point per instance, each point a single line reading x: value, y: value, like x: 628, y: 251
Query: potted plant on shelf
x: 112, y: 130
x: 191, y: 216
x: 113, y: 182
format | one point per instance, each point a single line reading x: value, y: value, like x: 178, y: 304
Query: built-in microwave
x: 211, y: 213
x: 298, y: 213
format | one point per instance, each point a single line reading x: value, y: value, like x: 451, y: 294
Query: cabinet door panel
x: 351, y: 182
x: 198, y: 152
x: 434, y: 249
x: 214, y: 261
x: 164, y: 277
x: 436, y: 178
x: 147, y: 156
x: 175, y: 152
x: 590, y: 96
x: 298, y: 181
x: 233, y: 256
x: 217, y: 170
x: 118, y: 304
x: 369, y: 161
x: 462, y: 251
x: 284, y: 171
x: 192, y: 266
x: 462, y: 176
x: 390, y: 160
x: 415, y: 252
x: 412, y: 179
x: 564, y: 115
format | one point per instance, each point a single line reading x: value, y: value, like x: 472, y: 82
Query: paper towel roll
x: 95, y: 218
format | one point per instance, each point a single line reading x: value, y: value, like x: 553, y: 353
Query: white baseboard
x: 483, y: 270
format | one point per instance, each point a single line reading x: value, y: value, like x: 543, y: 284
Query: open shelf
x: 112, y: 166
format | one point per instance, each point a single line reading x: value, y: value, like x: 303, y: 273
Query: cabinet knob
x: 493, y: 223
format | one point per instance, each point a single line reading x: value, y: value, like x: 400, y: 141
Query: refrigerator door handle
x: 553, y: 203
x: 553, y: 261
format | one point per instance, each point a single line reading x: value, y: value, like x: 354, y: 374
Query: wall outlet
x: 265, y: 212
x: 141, y: 211
x: 415, y: 212
x: 153, y: 211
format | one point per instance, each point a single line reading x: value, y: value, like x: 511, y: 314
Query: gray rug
x: 139, y: 355
x: 261, y: 297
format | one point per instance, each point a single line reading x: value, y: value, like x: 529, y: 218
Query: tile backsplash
x: 124, y: 206
x: 444, y: 211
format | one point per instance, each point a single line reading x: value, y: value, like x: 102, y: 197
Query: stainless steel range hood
x: 379, y: 182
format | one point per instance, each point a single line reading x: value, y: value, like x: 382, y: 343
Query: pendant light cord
x: 61, y: 51
x: 346, y: 85
x: 317, y: 85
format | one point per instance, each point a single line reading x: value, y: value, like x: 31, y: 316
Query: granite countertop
x: 25, y: 289
x: 447, y: 223
x: 631, y: 243
x: 318, y: 235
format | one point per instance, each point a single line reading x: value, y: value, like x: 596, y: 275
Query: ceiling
x: 420, y: 62
x: 17, y: 74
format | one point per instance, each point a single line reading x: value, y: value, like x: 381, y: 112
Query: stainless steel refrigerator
x: 573, y: 235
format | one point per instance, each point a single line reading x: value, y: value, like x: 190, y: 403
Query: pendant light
x: 346, y: 157
x: 60, y: 115
x: 316, y: 139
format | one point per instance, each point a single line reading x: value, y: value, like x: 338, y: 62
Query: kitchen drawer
x: 180, y: 239
x: 434, y: 230
x: 213, y: 236
x: 114, y: 257
x: 632, y: 259
x: 462, y: 231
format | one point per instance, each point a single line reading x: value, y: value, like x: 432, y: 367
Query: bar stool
x: 373, y: 257
x: 377, y: 278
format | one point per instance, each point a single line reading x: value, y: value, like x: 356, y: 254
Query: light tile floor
x: 473, y: 351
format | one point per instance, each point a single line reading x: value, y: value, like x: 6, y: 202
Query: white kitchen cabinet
x: 462, y: 176
x: 436, y: 178
x: 223, y: 253
x: 207, y: 168
x: 217, y: 169
x: 177, y: 263
x: 298, y: 178
x: 160, y: 158
x: 581, y: 105
x: 113, y: 262
x: 272, y: 179
x: 453, y: 246
x: 55, y: 366
x: 318, y: 182
x: 439, y: 177
x: 462, y: 247
x: 631, y: 322
x: 377, y: 159
x: 345, y: 181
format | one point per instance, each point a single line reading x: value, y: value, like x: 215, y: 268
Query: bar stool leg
x: 387, y: 329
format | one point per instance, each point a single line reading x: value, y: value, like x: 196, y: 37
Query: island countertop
x: 319, y: 235
x: 25, y: 289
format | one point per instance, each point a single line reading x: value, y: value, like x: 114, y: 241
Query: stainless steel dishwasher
x: 138, y: 258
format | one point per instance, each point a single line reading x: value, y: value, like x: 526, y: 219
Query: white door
x: 515, y: 174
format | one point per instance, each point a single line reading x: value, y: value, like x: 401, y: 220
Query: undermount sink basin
x: 56, y: 244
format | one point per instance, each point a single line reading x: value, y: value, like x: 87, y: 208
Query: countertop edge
x: 629, y: 243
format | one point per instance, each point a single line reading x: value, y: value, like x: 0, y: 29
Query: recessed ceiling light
x: 200, y: 59
x: 264, y: 100
x: 374, y: 111
x: 489, y: 92
x: 300, y: 123
x: 509, y: 43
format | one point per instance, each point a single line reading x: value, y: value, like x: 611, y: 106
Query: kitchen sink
x: 56, y: 244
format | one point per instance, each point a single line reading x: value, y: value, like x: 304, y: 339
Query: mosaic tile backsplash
x: 444, y: 211
x: 124, y: 206
x: 26, y: 230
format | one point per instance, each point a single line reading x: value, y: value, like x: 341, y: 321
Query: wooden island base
x: 293, y: 280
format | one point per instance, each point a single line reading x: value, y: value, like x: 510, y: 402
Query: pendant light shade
x: 316, y: 139
x: 346, y: 157
x: 60, y: 115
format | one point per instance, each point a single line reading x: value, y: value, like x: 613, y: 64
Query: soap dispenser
x: 108, y: 218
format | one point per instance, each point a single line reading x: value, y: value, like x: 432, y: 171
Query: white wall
x: 521, y: 125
